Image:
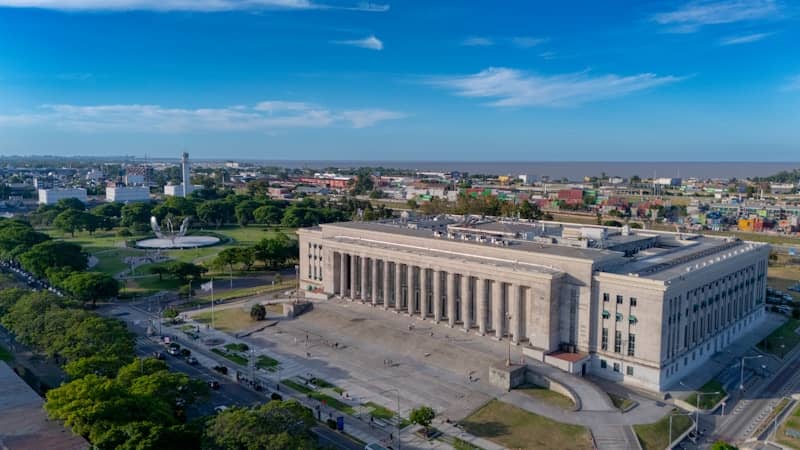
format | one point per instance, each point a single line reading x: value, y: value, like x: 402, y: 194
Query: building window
x: 632, y: 320
x: 605, y: 339
x: 603, y: 364
x: 633, y: 301
x: 620, y: 299
x: 619, y: 317
x: 631, y: 344
x: 629, y: 370
x: 617, y: 341
x: 605, y: 296
x: 616, y: 367
x: 606, y: 314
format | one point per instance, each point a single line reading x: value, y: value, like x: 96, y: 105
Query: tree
x: 104, y: 366
x: 722, y: 445
x: 136, y: 215
x: 70, y: 221
x: 277, y: 425
x: 145, y: 435
x: 244, y: 211
x: 70, y: 203
x: 17, y: 237
x: 268, y: 214
x: 91, y: 286
x: 362, y: 183
x: 422, y: 416
x: 97, y: 336
x: 53, y: 254
x: 258, y: 312
x: 227, y: 257
x: 159, y: 270
x: 214, y: 212
x: 183, y: 270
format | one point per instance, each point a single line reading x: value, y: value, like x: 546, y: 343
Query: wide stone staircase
x: 615, y: 437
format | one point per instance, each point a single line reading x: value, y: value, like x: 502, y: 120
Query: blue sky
x: 402, y: 80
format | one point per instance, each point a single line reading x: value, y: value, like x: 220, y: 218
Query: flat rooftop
x: 23, y: 422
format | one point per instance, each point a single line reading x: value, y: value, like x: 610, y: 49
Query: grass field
x: 238, y: 359
x: 547, y: 396
x: 329, y: 401
x: 782, y: 276
x: 228, y: 320
x: 516, y: 428
x: 237, y: 347
x: 379, y: 412
x: 621, y: 403
x: 792, y: 423
x: 655, y: 436
x: 247, y: 292
x: 708, y: 401
x: 267, y: 363
x: 782, y: 340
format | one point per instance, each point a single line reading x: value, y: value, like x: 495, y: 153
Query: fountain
x: 173, y: 239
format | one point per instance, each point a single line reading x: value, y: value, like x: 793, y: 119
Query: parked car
x: 213, y: 384
x: 191, y: 360
x: 185, y: 352
x: 221, y: 369
x: 173, y: 351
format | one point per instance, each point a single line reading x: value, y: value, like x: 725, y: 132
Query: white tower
x: 186, y: 187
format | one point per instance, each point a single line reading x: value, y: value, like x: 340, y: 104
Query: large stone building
x: 642, y: 307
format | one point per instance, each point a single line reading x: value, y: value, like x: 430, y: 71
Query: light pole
x: 672, y: 414
x: 697, y: 405
x: 741, y: 372
x: 398, y: 412
x: 508, y: 331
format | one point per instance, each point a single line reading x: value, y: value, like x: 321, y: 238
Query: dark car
x: 213, y: 384
x: 221, y: 369
x: 191, y: 360
x: 185, y: 352
x: 173, y: 351
x: 158, y: 355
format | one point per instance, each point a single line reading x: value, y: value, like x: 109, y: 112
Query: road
x: 230, y: 392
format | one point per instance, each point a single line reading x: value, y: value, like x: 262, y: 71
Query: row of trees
x: 275, y: 252
x: 484, y: 205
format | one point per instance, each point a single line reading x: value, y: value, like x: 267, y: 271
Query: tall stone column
x: 386, y: 289
x: 437, y: 296
x: 482, y: 306
x: 353, y: 279
x: 498, y: 315
x: 465, y: 296
x: 375, y: 276
x: 451, y: 299
x: 423, y: 292
x: 410, y: 289
x: 364, y: 277
x: 515, y: 309
x: 343, y: 275
x: 398, y: 286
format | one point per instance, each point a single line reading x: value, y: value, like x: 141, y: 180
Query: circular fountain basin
x: 178, y: 242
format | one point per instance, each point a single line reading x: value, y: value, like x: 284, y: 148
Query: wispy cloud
x: 516, y: 41
x: 745, y: 39
x: 477, y: 41
x: 264, y: 116
x: 511, y: 87
x: 527, y: 41
x: 792, y: 84
x: 186, y: 5
x: 369, y: 42
x: 694, y: 15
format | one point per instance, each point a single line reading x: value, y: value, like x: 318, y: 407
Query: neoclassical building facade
x: 640, y: 307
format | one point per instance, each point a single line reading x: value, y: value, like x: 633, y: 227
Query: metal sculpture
x: 170, y: 234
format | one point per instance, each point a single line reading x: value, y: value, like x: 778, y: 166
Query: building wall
x: 52, y: 196
x: 127, y: 194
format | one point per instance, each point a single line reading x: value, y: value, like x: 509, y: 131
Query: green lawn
x: 379, y: 412
x: 246, y: 292
x: 301, y: 388
x: 547, y: 396
x: 229, y: 320
x: 330, y: 401
x: 782, y: 340
x: 655, y: 436
x: 621, y: 403
x: 238, y: 359
x: 237, y: 347
x: 516, y: 428
x: 792, y: 422
x: 267, y: 363
x: 708, y: 401
x: 5, y: 355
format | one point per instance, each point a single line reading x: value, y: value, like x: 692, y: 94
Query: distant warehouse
x: 641, y: 307
x: 52, y: 196
x: 125, y: 194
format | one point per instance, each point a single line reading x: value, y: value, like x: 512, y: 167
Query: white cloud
x: 695, y: 14
x: 369, y: 42
x: 477, y: 41
x: 511, y: 87
x: 792, y: 85
x: 264, y: 116
x: 184, y: 5
x: 527, y: 41
x: 745, y: 39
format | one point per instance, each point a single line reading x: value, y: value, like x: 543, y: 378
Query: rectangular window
x: 606, y: 314
x: 616, y: 367
x: 629, y: 370
x: 631, y: 344
x: 620, y: 299
x: 633, y: 301
x: 617, y: 341
x: 605, y: 296
x: 619, y: 317
x: 605, y: 339
x: 603, y: 364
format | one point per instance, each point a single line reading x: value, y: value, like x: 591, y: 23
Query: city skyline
x: 294, y: 80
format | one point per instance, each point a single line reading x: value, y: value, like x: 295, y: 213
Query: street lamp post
x: 396, y: 391
x: 741, y: 372
x: 697, y: 405
x: 672, y: 414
